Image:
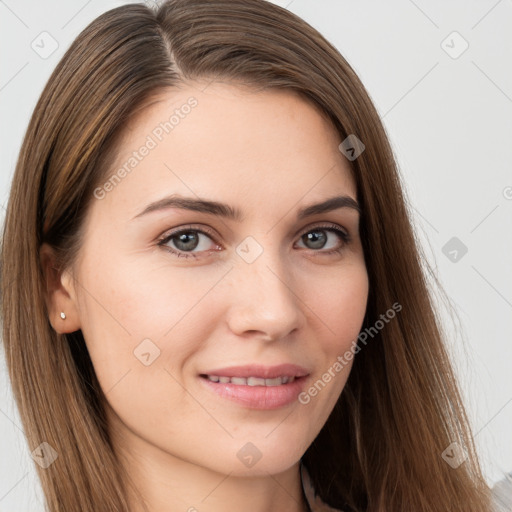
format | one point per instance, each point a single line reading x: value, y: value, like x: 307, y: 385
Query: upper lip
x: 264, y: 372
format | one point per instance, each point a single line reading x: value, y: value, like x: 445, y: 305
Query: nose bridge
x: 263, y: 297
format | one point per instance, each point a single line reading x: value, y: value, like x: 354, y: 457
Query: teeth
x: 251, y: 381
x: 274, y: 382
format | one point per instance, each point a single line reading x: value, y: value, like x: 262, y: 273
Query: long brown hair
x: 381, y: 448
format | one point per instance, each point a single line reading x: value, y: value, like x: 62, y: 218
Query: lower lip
x: 258, y: 397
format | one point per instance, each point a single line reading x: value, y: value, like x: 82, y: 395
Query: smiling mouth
x: 257, y: 386
x: 250, y: 381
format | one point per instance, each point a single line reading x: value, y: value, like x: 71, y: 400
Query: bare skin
x: 268, y: 154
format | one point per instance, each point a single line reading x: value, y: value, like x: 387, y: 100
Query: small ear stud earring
x: 63, y: 315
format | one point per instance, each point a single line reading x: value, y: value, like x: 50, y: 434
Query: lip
x: 258, y: 397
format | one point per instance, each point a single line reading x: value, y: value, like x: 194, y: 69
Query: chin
x: 258, y: 457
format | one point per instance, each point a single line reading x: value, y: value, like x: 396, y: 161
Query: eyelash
x: 205, y: 231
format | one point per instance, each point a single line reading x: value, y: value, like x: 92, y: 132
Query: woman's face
x: 174, y: 300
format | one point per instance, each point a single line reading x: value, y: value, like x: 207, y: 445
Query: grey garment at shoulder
x: 502, y: 494
x: 314, y: 502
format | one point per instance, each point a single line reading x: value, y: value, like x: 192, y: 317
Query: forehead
x: 232, y: 143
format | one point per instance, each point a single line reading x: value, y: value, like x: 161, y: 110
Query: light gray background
x: 449, y: 120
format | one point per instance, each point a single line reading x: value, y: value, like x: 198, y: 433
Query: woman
x: 227, y: 303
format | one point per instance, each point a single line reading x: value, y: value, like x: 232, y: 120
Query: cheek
x: 152, y: 303
x: 143, y: 326
x: 341, y: 306
x: 141, y: 329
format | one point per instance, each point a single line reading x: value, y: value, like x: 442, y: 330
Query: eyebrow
x: 228, y: 212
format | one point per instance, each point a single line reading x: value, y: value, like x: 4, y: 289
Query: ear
x: 60, y: 293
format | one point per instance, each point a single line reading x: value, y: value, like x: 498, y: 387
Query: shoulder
x: 314, y: 501
x: 502, y: 494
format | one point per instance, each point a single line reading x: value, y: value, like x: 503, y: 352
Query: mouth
x: 250, y: 381
x: 257, y: 387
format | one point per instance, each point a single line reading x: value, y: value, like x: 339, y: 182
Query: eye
x: 317, y: 238
x: 187, y: 240
x: 182, y: 242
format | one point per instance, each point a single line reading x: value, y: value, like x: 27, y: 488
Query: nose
x: 265, y: 302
